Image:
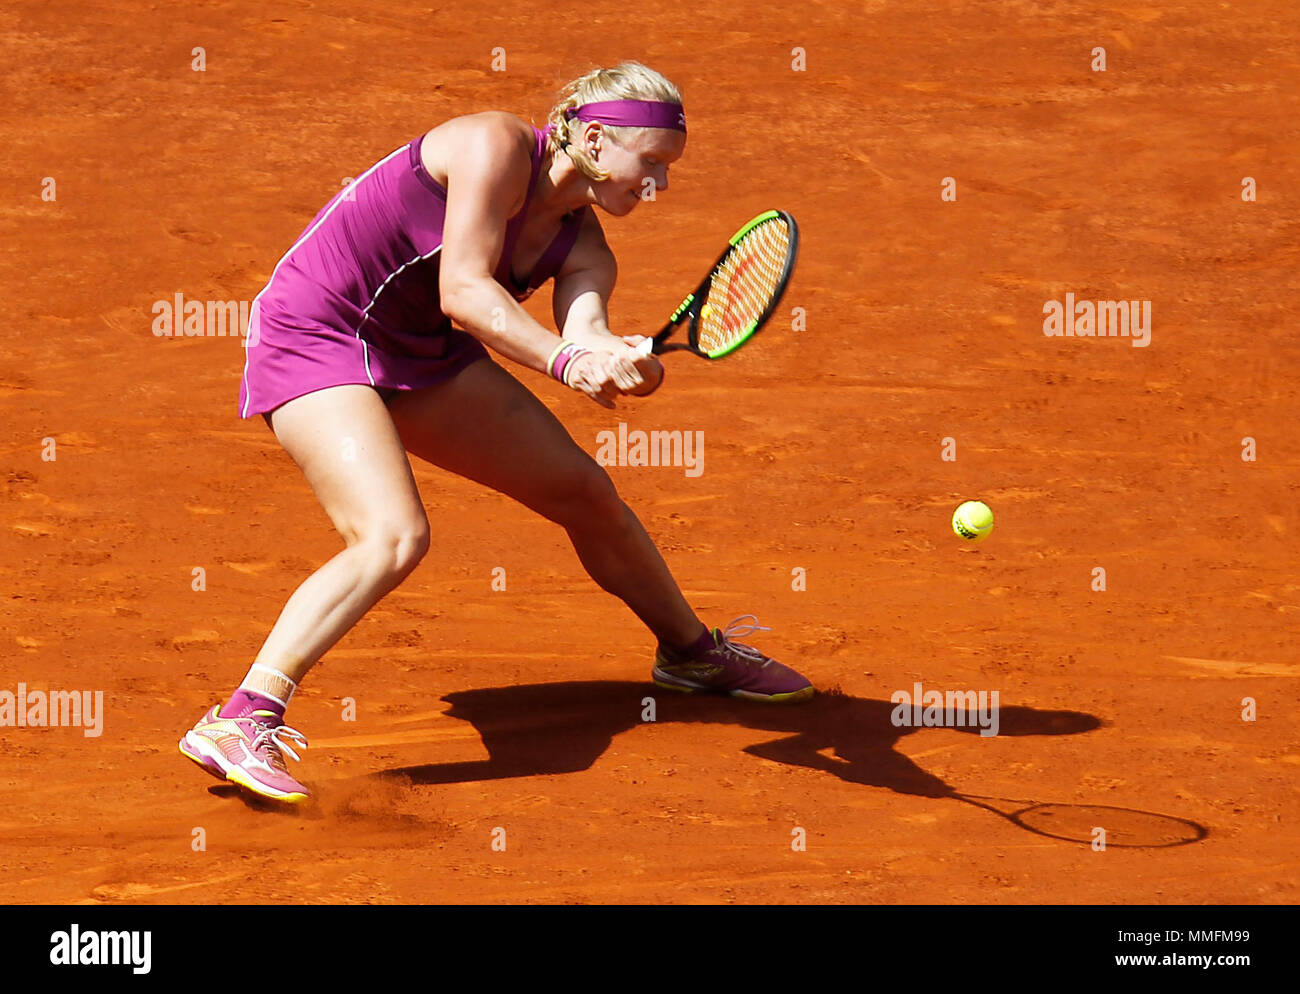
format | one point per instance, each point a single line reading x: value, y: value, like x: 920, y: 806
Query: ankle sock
x: 702, y: 644
x: 262, y: 689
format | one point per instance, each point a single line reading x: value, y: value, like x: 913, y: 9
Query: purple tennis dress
x: 355, y: 300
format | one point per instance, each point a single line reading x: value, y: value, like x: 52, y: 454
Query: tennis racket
x: 740, y: 293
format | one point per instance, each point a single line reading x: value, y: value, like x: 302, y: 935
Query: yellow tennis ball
x: 706, y: 310
x: 973, y: 521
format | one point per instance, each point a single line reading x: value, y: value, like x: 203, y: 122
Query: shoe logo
x: 257, y: 763
x: 701, y: 671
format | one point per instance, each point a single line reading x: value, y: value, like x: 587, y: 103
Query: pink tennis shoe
x: 249, y: 752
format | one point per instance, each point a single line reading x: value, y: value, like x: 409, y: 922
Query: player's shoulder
x: 490, y: 143
x: 494, y: 130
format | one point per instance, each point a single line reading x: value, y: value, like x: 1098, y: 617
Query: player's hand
x: 650, y: 368
x: 595, y: 375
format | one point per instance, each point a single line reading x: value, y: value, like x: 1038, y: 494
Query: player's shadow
x: 564, y: 727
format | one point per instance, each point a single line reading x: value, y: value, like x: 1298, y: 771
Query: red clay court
x: 521, y: 709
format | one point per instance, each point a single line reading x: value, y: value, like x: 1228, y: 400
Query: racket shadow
x: 1103, y: 825
x: 547, y: 729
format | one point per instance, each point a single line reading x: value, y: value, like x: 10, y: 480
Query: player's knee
x: 395, y: 548
x: 588, y: 496
x: 410, y: 545
x: 601, y: 496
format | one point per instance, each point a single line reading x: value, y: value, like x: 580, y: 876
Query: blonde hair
x: 626, y: 81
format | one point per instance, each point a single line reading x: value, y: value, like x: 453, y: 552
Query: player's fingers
x: 609, y: 375
x: 625, y: 373
x: 620, y: 380
x: 649, y: 367
x: 587, y: 377
x: 610, y: 388
x: 652, y: 372
x: 597, y: 392
x: 595, y: 382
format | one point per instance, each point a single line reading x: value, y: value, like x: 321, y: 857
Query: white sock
x: 269, y: 683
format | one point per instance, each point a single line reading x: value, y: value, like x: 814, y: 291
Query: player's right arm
x: 487, y: 181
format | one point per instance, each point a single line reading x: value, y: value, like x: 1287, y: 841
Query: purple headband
x: 631, y: 114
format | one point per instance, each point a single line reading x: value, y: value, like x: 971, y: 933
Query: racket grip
x: 645, y: 347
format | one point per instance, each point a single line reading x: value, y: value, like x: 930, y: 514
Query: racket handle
x: 645, y: 347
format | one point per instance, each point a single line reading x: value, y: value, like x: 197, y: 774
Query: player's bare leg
x: 344, y: 442
x: 486, y: 426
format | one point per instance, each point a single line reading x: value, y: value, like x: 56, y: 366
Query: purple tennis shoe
x: 718, y: 664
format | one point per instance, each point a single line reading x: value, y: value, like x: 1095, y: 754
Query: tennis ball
x: 973, y: 521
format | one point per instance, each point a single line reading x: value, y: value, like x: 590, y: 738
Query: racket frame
x: 694, y: 302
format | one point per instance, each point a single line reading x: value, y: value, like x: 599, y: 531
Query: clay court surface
x: 521, y: 709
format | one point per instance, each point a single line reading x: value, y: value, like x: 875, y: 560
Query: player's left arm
x: 580, y: 303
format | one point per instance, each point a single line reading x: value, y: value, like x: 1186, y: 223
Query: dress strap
x: 553, y: 258
x: 515, y: 225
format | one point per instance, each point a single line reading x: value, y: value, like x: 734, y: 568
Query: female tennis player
x: 368, y: 343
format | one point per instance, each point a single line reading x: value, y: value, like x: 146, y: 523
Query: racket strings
x: 744, y: 285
